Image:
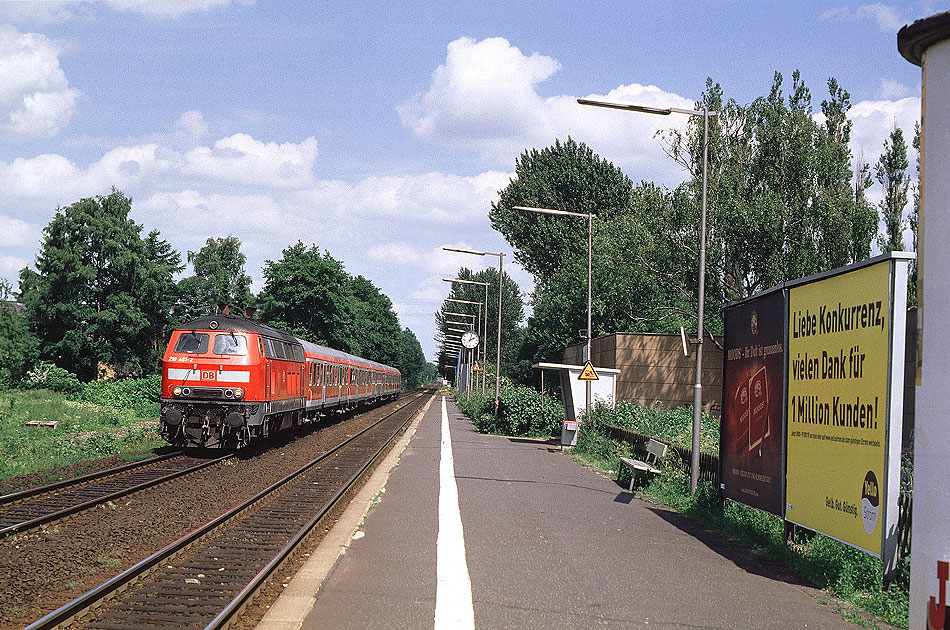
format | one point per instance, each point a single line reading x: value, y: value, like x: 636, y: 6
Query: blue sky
x: 383, y: 132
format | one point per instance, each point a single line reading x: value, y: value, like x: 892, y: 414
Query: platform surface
x: 547, y: 544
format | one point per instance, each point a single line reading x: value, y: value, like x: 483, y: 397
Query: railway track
x: 24, y: 510
x: 204, y: 579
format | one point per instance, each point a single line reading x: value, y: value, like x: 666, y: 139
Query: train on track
x: 229, y: 380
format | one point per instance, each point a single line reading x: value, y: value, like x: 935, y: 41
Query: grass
x: 86, y: 430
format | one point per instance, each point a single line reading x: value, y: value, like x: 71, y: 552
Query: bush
x: 141, y: 395
x: 520, y: 412
x: 669, y: 425
x: 475, y: 405
x: 593, y: 440
x: 51, y: 377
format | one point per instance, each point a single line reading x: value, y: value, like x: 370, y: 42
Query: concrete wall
x: 653, y: 368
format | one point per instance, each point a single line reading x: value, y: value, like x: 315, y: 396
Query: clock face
x: 469, y: 339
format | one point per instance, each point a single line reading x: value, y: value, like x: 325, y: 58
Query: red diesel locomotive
x: 227, y: 380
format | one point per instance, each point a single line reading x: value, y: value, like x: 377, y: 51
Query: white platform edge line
x: 453, y: 599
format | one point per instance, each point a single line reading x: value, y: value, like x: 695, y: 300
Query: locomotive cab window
x: 230, y: 344
x: 192, y: 343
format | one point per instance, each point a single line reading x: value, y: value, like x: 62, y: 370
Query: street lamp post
x: 484, y: 321
x: 705, y: 112
x: 590, y: 249
x: 472, y: 325
x: 501, y: 285
x: 476, y: 327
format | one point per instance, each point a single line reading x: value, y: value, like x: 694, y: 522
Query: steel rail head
x: 56, y: 485
x: 78, y: 605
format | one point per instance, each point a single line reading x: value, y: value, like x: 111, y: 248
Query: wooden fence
x: 709, y: 471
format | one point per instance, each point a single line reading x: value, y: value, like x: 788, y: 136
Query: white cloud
x: 485, y: 98
x: 892, y: 90
x: 17, y: 233
x: 235, y: 161
x: 58, y: 11
x: 10, y: 267
x: 887, y: 17
x: 873, y: 121
x: 35, y: 98
x: 192, y: 124
x: 394, y: 254
x: 172, y: 8
x: 39, y: 11
x: 240, y: 159
x: 482, y: 88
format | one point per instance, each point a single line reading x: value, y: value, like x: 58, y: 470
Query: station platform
x: 533, y: 540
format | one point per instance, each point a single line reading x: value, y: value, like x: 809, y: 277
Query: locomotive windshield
x: 192, y: 343
x: 230, y: 344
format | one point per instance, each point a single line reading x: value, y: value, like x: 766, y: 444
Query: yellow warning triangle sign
x: 477, y: 367
x: 588, y: 373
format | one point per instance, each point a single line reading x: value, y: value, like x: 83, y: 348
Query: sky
x: 382, y: 132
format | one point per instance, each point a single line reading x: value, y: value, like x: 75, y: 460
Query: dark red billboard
x: 752, y: 435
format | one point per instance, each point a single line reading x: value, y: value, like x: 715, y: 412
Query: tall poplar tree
x: 891, y: 173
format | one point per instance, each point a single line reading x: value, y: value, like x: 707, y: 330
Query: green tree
x: 311, y: 295
x: 781, y: 203
x: 85, y: 301
x: 512, y: 315
x: 159, y: 289
x: 891, y: 173
x: 19, y: 348
x: 780, y: 206
x: 639, y: 272
x: 376, y: 333
x: 219, y: 279
x: 566, y: 176
x: 412, y: 362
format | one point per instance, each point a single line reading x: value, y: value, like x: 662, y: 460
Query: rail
x: 279, y: 502
x: 33, y: 509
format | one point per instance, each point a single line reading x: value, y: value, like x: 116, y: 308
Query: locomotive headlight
x: 176, y: 391
x: 238, y: 392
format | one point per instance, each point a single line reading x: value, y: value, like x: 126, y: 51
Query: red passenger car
x: 227, y: 380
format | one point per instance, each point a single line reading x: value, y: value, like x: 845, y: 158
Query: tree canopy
x: 412, y: 362
x: 18, y: 346
x: 512, y: 314
x: 92, y: 299
x: 309, y: 293
x: 103, y: 299
x: 219, y: 280
x: 891, y: 173
x: 783, y: 203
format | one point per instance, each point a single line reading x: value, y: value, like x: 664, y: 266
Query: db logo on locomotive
x: 208, y: 375
x: 937, y: 617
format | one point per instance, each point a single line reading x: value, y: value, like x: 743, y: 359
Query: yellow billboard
x: 838, y: 364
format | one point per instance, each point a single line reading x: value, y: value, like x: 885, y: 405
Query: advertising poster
x: 752, y: 432
x: 838, y: 362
